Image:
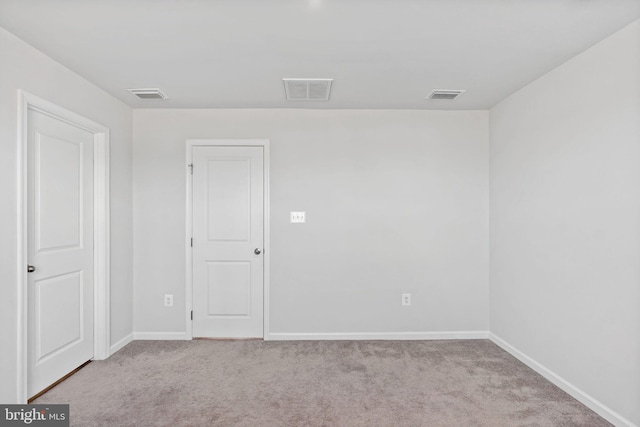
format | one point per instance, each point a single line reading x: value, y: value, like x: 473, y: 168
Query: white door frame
x: 101, y: 236
x: 264, y: 143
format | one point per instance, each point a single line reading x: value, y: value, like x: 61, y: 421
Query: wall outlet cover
x: 168, y: 300
x: 406, y: 299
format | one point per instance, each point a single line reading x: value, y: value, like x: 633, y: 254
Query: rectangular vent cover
x: 150, y: 93
x: 307, y: 89
x: 449, y: 95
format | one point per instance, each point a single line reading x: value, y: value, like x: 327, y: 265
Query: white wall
x: 565, y: 221
x: 23, y: 67
x: 396, y: 201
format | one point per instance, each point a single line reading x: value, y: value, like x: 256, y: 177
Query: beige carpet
x: 315, y: 383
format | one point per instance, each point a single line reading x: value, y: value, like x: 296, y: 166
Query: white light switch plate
x: 297, y: 217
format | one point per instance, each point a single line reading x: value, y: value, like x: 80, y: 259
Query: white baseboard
x: 117, y: 346
x: 582, y: 397
x: 446, y: 335
x: 161, y: 336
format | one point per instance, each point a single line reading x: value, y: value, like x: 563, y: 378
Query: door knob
x: 30, y: 269
x: 257, y: 251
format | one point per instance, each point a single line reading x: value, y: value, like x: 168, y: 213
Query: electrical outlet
x: 297, y: 217
x: 406, y: 299
x: 168, y: 300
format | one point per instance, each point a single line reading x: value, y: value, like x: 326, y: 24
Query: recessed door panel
x: 228, y: 199
x: 58, y: 192
x: 59, y: 313
x: 229, y: 286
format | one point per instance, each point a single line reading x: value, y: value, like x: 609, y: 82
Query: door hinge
x: 190, y: 165
x: 191, y: 314
x: 192, y: 242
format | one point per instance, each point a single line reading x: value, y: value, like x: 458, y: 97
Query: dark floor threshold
x: 37, y: 395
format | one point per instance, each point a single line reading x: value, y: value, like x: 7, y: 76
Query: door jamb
x: 101, y: 230
x: 264, y: 143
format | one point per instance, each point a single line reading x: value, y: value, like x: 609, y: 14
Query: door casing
x: 101, y: 232
x: 189, y: 224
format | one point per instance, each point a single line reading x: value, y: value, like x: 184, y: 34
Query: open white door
x: 60, y: 249
x: 228, y: 241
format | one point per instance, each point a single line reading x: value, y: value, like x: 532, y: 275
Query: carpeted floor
x: 315, y: 383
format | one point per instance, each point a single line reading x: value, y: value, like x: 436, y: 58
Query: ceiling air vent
x: 449, y: 95
x: 307, y: 89
x: 150, y: 93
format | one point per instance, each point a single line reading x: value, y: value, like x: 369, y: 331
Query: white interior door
x: 60, y: 249
x: 228, y: 236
